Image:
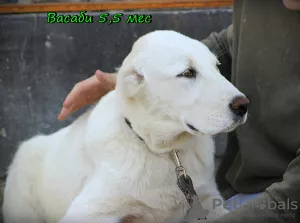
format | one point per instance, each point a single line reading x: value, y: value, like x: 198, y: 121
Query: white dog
x: 103, y: 169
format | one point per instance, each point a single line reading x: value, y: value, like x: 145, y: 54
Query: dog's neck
x: 160, y: 133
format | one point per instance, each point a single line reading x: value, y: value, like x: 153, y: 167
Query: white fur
x: 98, y: 170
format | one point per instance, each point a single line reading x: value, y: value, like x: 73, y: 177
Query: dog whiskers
x: 216, y: 47
x: 219, y: 51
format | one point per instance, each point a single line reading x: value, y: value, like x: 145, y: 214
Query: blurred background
x: 40, y: 62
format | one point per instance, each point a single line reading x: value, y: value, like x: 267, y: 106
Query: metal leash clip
x: 196, y: 213
x: 179, y: 168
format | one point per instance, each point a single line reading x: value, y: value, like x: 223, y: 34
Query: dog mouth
x: 189, y: 127
x: 192, y: 127
x: 193, y: 130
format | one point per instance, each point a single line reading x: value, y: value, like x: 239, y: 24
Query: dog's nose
x: 239, y: 106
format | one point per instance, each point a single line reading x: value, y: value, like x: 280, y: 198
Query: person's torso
x: 266, y: 67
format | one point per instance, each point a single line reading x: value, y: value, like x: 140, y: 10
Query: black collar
x: 130, y: 126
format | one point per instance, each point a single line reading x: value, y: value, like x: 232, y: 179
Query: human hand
x: 87, y: 92
x: 292, y: 4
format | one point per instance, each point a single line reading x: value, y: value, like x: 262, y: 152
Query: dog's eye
x: 188, y: 73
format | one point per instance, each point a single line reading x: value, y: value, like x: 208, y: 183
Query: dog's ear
x: 133, y: 82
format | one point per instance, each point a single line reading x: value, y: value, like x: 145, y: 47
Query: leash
x: 196, y: 213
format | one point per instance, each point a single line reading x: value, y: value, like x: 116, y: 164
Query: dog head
x: 173, y: 81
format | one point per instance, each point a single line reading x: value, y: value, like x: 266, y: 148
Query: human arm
x: 279, y: 203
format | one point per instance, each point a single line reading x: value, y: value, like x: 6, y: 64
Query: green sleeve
x: 221, y: 45
x: 279, y: 203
